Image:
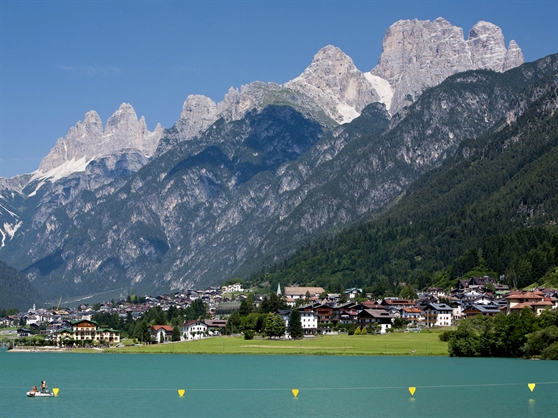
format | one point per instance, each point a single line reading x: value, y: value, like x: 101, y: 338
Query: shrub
x: 445, y: 336
x: 551, y: 352
x: 249, y: 334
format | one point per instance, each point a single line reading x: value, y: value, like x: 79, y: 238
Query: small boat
x: 38, y: 394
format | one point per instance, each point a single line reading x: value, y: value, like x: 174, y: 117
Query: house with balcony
x: 308, y: 319
x: 438, y: 315
x: 215, y: 326
x: 379, y: 318
x: 413, y: 315
x: 474, y: 309
x: 324, y: 313
x: 87, y: 330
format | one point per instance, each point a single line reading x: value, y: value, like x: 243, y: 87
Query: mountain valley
x: 235, y: 187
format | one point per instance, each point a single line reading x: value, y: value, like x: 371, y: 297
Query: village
x: 320, y: 312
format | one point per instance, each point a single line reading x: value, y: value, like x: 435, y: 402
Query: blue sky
x: 60, y: 59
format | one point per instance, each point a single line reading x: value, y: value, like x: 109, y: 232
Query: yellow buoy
x: 412, y: 390
x: 295, y: 392
x: 181, y: 392
x: 55, y: 391
x: 531, y: 386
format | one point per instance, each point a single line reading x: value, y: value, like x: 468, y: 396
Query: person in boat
x: 43, y: 386
x: 34, y: 390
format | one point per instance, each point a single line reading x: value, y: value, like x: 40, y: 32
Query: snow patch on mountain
x: 382, y: 87
x: 64, y: 170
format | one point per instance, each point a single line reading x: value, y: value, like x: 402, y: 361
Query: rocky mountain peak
x: 87, y: 140
x: 332, y: 78
x: 198, y: 113
x: 514, y: 56
x: 329, y: 56
x: 486, y: 42
x: 125, y: 115
x: 417, y: 54
x: 198, y: 107
x: 92, y: 118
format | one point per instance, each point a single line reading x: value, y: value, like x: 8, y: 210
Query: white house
x: 193, y: 330
x: 308, y: 319
x: 438, y: 314
x: 161, y: 333
x: 237, y: 287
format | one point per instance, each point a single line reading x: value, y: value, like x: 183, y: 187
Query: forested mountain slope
x: 246, y: 193
x: 491, y: 207
x: 15, y: 289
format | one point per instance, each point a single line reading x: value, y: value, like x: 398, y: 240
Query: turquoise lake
x: 116, y: 385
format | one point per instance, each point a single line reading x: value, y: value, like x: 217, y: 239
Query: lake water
x: 116, y: 385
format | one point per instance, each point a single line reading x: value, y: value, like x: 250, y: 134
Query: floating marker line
x: 300, y: 388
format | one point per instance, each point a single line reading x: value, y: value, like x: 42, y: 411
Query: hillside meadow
x: 403, y: 344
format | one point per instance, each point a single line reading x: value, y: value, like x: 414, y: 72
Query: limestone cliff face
x: 416, y: 55
x: 232, y: 185
x: 488, y: 51
x: 331, y: 90
x: 87, y: 140
x: 420, y: 54
x: 333, y: 79
x: 198, y: 113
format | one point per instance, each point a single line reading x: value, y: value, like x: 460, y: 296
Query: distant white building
x: 438, y: 315
x: 193, y: 330
x: 237, y: 287
x: 301, y: 292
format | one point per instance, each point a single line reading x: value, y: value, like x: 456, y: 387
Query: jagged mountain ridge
x: 88, y: 141
x: 331, y: 91
x: 416, y: 55
x: 420, y: 54
x: 195, y: 216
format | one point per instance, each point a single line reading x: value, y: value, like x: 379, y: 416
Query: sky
x: 61, y: 59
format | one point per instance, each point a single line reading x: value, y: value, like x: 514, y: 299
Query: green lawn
x: 419, y: 344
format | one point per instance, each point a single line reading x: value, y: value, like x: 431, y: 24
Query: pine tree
x: 175, y: 333
x: 295, y: 325
x: 268, y: 325
x: 278, y: 326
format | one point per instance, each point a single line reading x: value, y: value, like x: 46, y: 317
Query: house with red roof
x: 519, y: 299
x: 161, y: 333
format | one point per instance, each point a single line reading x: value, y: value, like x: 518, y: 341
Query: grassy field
x: 401, y: 344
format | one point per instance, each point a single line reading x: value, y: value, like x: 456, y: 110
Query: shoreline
x: 400, y: 344
x: 51, y: 350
